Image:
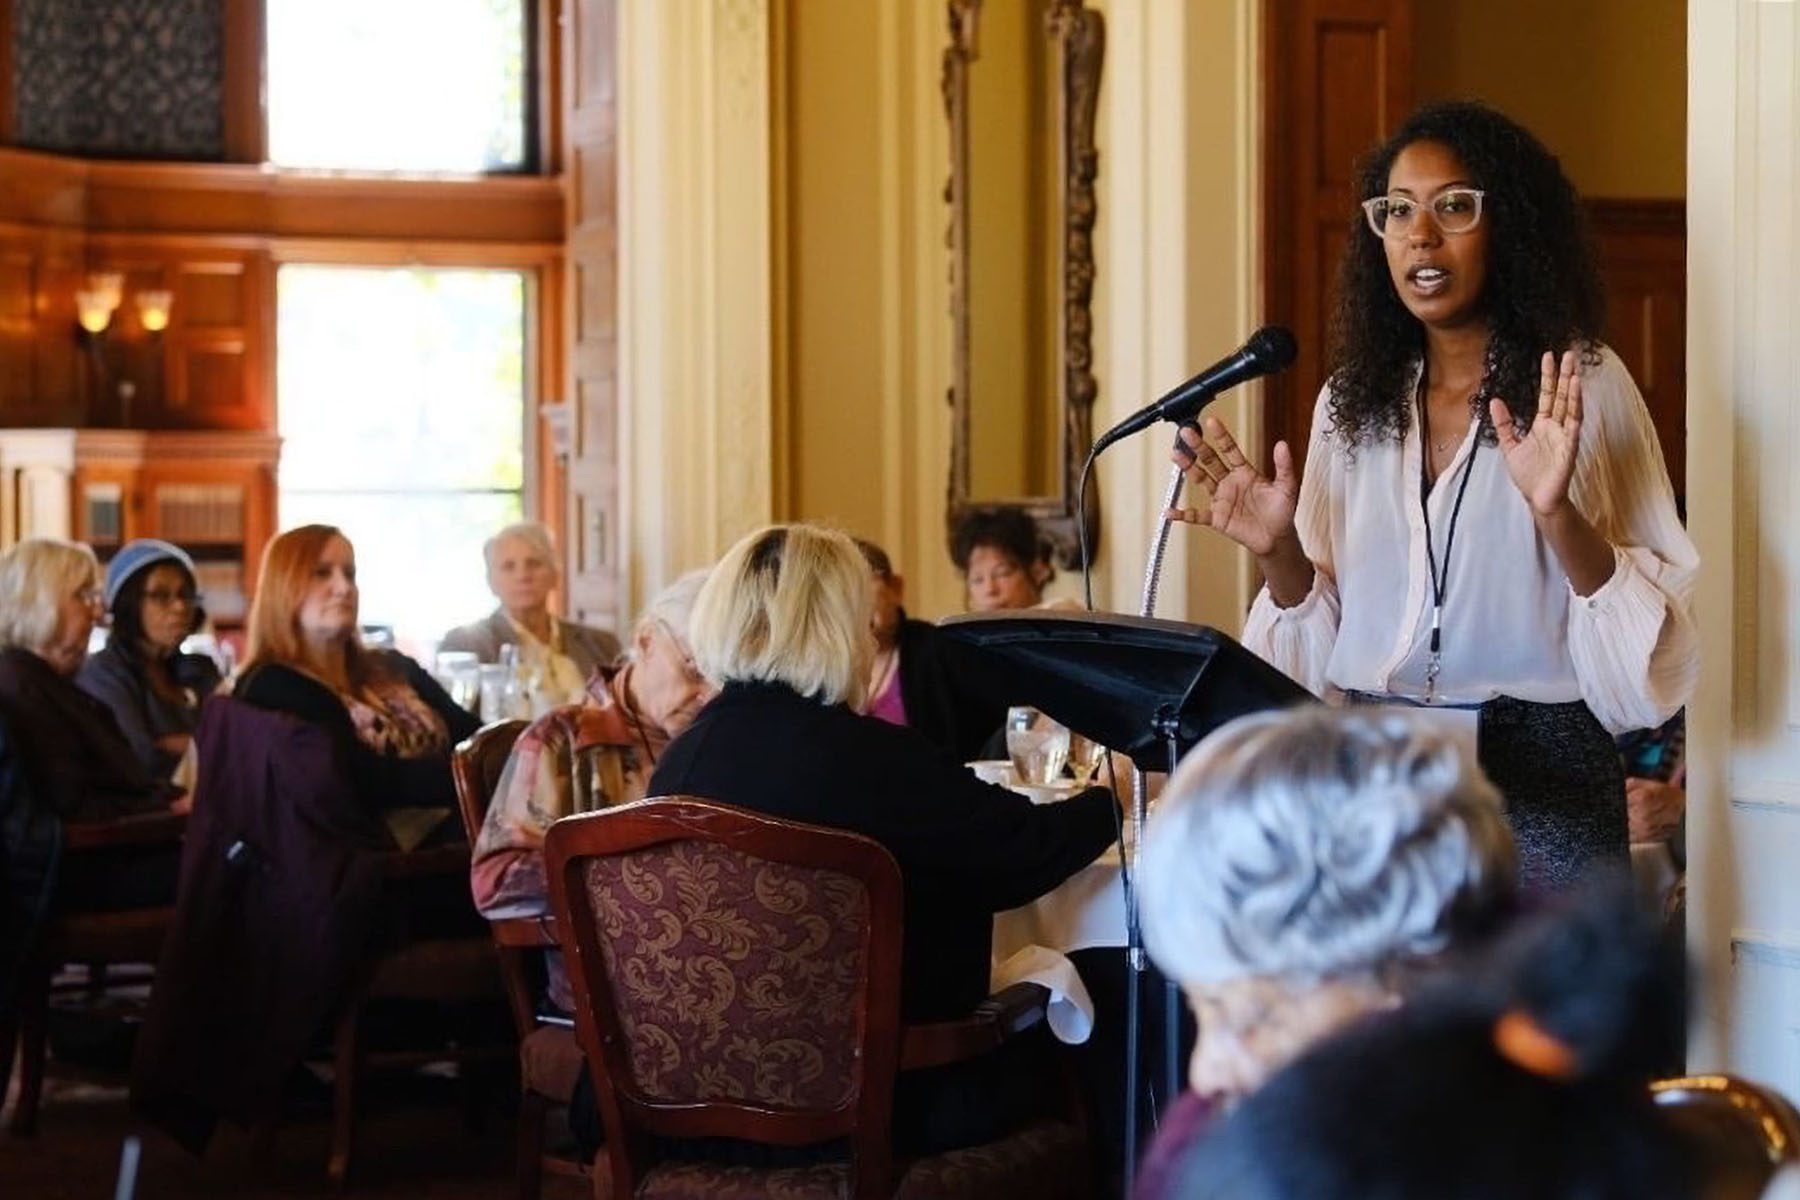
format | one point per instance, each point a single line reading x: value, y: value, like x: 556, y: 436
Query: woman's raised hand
x: 1542, y: 462
x: 1252, y: 510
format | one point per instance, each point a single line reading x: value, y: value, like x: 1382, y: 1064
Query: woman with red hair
x: 392, y: 722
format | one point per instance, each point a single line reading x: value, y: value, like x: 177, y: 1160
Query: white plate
x: 1048, y: 793
x: 993, y: 770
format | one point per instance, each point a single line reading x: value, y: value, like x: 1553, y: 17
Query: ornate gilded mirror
x: 1021, y: 81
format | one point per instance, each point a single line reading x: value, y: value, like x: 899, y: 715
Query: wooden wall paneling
x: 546, y: 477
x: 545, y: 34
x: 217, y: 342
x: 1642, y: 246
x: 18, y: 322
x: 246, y: 126
x: 231, y: 198
x: 1337, y: 77
x: 589, y: 122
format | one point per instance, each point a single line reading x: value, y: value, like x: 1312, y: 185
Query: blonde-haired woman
x: 64, y: 746
x: 393, y: 723
x: 782, y: 626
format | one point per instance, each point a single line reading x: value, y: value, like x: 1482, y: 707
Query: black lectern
x: 1138, y: 685
x: 1147, y: 688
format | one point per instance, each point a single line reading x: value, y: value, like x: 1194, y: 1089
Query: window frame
x: 246, y: 111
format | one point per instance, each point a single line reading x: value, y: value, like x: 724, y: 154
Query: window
x: 399, y: 85
x: 401, y: 396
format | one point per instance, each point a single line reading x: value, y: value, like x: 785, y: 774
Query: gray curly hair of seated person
x: 1317, y: 842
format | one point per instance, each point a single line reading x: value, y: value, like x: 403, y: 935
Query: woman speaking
x: 1485, y: 522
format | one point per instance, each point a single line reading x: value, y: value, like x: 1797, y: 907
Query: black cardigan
x: 76, y: 761
x: 966, y: 849
x: 381, y: 781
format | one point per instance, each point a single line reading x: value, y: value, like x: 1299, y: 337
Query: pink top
x: 888, y: 705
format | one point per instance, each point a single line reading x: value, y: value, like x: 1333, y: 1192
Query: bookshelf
x: 211, y: 493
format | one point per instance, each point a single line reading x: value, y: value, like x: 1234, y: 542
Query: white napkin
x: 1071, y: 1009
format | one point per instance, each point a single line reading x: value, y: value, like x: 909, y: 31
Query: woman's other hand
x: 1252, y: 510
x: 1653, y: 809
x: 1542, y: 462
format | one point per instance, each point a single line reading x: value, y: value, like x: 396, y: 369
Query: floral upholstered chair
x: 738, y: 977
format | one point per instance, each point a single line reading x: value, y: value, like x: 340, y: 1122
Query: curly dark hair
x: 1012, y: 531
x: 1543, y: 289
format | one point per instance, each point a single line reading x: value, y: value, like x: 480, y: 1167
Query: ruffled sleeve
x: 1633, y: 643
x: 1298, y: 640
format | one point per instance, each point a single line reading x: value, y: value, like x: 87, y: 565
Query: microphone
x: 1269, y: 349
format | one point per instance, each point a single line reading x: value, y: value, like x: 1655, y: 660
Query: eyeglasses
x: 1456, y: 210
x: 93, y: 597
x: 167, y: 597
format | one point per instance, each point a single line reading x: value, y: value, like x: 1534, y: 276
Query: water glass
x: 1037, y: 746
x: 459, y: 671
x: 499, y: 692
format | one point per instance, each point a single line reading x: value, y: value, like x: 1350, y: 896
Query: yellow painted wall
x: 863, y: 358
x: 1602, y: 82
x: 833, y: 235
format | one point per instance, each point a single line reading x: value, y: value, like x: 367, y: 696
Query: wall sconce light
x: 153, y: 305
x: 96, y: 303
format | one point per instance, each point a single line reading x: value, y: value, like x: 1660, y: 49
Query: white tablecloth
x: 1085, y: 911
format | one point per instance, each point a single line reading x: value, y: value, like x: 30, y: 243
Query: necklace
x: 1440, y: 582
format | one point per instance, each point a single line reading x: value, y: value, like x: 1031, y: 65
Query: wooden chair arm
x: 1001, y: 1016
x: 143, y: 829
x: 525, y: 932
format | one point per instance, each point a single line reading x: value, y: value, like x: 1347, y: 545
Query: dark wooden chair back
x: 476, y: 766
x: 735, y: 976
x: 1743, y: 1132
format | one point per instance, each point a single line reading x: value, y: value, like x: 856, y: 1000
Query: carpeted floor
x: 413, y: 1142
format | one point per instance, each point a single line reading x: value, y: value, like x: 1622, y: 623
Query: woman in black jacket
x: 66, y: 760
x: 393, y: 724
x: 783, y: 627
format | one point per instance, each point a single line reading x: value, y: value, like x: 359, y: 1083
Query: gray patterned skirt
x: 1564, y: 786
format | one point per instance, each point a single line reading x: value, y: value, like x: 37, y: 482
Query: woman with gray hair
x: 590, y: 755
x: 556, y: 656
x: 1297, y: 866
x: 63, y: 758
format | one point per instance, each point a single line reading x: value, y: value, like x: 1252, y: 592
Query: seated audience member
x: 1298, y: 866
x: 556, y: 657
x: 73, y: 759
x: 783, y: 627
x: 588, y: 756
x: 153, y: 689
x: 916, y: 679
x: 394, y: 725
x: 1530, y: 1080
x: 1003, y: 558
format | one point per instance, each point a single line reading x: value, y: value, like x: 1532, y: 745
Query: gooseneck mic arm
x: 1269, y: 349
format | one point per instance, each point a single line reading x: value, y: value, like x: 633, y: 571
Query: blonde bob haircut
x: 789, y: 604
x: 35, y: 576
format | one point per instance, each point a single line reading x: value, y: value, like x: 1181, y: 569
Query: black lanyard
x: 1440, y: 582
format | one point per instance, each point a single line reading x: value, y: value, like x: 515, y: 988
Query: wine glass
x: 1085, y: 755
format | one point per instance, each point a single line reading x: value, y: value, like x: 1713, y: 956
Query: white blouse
x: 1511, y: 624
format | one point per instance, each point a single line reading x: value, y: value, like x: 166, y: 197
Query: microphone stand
x: 1135, y: 959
